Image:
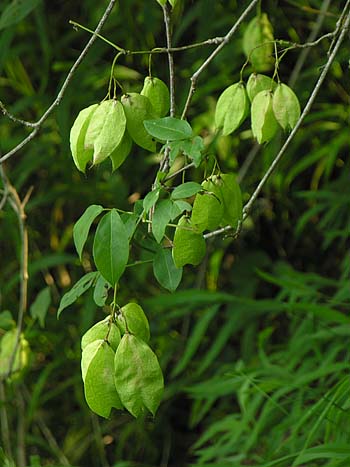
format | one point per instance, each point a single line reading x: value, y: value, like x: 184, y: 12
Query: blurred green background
x: 255, y: 343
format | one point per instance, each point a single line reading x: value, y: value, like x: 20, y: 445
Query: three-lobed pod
x: 273, y: 106
x: 109, y: 128
x: 218, y: 204
x: 118, y: 367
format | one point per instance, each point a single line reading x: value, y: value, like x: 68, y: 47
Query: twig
x: 331, y: 58
x: 227, y: 38
x: 13, y: 118
x: 177, y: 172
x: 170, y: 59
x: 37, y: 125
x: 19, y: 208
x: 306, y: 110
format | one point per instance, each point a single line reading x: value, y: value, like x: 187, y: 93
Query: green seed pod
x: 208, y: 207
x: 135, y: 321
x: 257, y: 83
x: 232, y: 108
x: 259, y: 31
x: 81, y: 155
x: 158, y: 94
x: 100, y: 331
x: 286, y: 106
x: 231, y: 197
x: 189, y: 245
x: 98, y: 376
x: 106, y: 130
x: 121, y: 152
x: 264, y: 123
x: 137, y: 109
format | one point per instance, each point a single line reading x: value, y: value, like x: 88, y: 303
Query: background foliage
x: 255, y: 344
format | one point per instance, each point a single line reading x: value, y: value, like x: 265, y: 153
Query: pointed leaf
x: 186, y: 190
x: 77, y: 290
x: 82, y: 226
x: 165, y: 271
x: 168, y: 129
x: 41, y: 305
x: 111, y: 247
x: 150, y: 199
x: 161, y: 217
x: 101, y: 291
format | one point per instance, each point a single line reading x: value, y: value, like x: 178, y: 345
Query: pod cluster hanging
x: 272, y: 106
x: 108, y: 129
x: 118, y: 367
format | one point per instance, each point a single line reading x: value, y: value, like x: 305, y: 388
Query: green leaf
x: 195, y: 339
x: 178, y: 207
x: 150, y: 199
x: 189, y: 245
x: 131, y: 222
x: 232, y: 108
x: 136, y: 321
x: 103, y: 330
x: 41, y: 305
x: 100, y: 392
x: 190, y: 147
x: 138, y: 377
x: 165, y: 271
x: 82, y: 226
x: 161, y: 217
x: 101, y: 291
x: 16, y: 11
x: 111, y: 247
x: 6, y: 320
x: 77, y: 290
x: 186, y: 190
x: 168, y: 129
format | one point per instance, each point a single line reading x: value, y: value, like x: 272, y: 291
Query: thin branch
x: 66, y: 83
x: 306, y: 110
x: 227, y: 38
x: 167, y: 23
x: 331, y: 58
x: 177, y: 172
x: 13, y: 118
